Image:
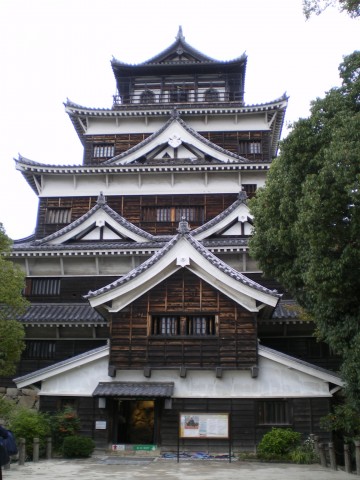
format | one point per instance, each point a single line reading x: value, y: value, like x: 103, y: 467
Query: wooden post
x: 347, y: 459
x: 22, y: 449
x: 48, y: 448
x: 36, y: 450
x: 316, y: 444
x: 357, y: 456
x: 332, y: 456
x: 322, y: 455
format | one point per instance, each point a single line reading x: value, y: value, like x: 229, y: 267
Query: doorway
x: 134, y: 421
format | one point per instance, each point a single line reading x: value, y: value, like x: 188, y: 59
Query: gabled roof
x: 99, y: 223
x: 223, y: 223
x: 176, y: 135
x: 183, y: 251
x: 179, y: 52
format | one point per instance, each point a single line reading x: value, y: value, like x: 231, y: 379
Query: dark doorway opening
x: 134, y: 421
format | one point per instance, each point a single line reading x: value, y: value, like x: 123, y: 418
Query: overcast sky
x: 57, y: 49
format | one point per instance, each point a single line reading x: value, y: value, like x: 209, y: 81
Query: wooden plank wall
x: 227, y: 140
x: 235, y: 346
x: 130, y: 208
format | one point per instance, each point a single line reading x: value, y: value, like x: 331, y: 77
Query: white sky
x: 57, y: 49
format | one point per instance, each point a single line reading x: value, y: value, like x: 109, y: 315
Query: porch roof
x: 134, y: 389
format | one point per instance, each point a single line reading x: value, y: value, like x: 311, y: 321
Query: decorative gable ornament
x: 175, y: 141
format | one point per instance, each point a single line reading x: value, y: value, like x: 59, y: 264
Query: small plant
x: 77, y: 446
x: 30, y: 424
x: 65, y: 423
x: 305, y: 453
x: 278, y: 443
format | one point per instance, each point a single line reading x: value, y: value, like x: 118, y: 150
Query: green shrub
x: 64, y: 423
x: 6, y: 408
x: 77, y: 447
x: 30, y: 424
x: 278, y: 443
x: 305, y: 453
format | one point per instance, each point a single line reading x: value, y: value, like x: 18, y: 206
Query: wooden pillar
x: 332, y: 456
x: 36, y: 450
x: 347, y: 459
x: 22, y: 454
x: 48, y: 448
x: 357, y: 456
x: 322, y: 455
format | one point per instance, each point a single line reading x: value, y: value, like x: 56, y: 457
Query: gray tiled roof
x: 215, y: 261
x: 100, y: 205
x: 57, y: 314
x: 134, y: 389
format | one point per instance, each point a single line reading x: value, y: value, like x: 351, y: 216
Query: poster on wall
x: 204, y: 425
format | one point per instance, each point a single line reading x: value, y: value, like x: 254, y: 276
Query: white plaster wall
x: 274, y: 380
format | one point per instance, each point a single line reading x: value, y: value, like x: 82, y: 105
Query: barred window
x: 200, y: 325
x: 45, y: 286
x: 165, y: 325
x: 273, y: 412
x: 40, y: 350
x: 104, y: 150
x: 250, y: 147
x: 173, y: 214
x: 58, y: 215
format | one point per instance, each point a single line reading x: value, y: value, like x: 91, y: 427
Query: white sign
x: 100, y: 425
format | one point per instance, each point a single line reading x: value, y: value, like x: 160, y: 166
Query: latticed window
x: 273, y: 412
x: 247, y: 147
x: 165, y: 325
x: 45, y: 286
x: 178, y: 94
x: 58, y: 215
x: 173, y: 214
x: 42, y: 350
x: 104, y: 150
x: 200, y: 325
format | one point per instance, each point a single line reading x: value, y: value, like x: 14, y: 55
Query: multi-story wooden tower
x: 146, y: 307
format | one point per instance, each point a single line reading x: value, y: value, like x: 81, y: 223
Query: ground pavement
x: 104, y: 468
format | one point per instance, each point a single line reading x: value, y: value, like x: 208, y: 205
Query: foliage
x: 30, y: 424
x: 345, y: 420
x: 7, y: 407
x: 316, y: 7
x: 77, y: 446
x: 278, y: 443
x: 307, y: 220
x: 12, y: 303
x: 305, y: 453
x: 64, y: 424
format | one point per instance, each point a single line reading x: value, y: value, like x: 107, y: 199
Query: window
x: 249, y: 188
x: 200, y: 325
x: 211, y: 95
x: 165, y: 325
x: 178, y: 94
x: 173, y: 214
x: 174, y: 325
x: 273, y: 412
x: 104, y: 150
x: 41, y: 350
x: 45, y: 286
x: 58, y: 215
x: 250, y: 147
x: 148, y: 96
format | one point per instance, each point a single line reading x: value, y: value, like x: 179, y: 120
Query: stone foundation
x: 25, y: 397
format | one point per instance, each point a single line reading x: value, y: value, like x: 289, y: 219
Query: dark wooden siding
x: 235, y: 345
x: 227, y: 140
x: 130, y: 207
